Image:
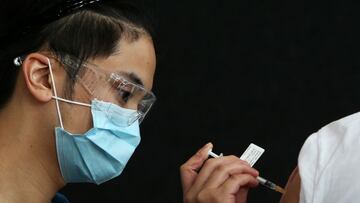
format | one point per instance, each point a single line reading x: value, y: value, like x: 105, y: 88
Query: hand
x: 222, y: 180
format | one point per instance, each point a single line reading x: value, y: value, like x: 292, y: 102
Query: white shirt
x: 329, y: 163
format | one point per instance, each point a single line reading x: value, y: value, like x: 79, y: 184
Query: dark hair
x: 87, y: 33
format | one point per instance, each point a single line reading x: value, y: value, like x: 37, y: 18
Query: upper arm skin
x: 292, y: 188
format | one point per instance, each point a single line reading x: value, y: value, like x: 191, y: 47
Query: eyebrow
x: 132, y: 77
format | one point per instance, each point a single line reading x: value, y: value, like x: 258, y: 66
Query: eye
x: 125, y: 91
x: 124, y: 95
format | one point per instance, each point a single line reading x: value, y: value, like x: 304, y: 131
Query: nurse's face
x: 134, y: 60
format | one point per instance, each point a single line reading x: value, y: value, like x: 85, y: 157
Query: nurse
x: 76, y: 79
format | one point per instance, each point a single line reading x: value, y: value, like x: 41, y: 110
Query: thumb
x: 189, y: 169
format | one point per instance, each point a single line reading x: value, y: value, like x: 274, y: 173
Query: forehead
x: 132, y: 57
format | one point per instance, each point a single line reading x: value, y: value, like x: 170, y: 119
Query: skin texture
x: 292, y: 188
x: 222, y: 180
x: 29, y: 170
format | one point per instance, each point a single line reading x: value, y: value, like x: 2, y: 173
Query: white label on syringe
x: 252, y: 154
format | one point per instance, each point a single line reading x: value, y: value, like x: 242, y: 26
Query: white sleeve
x: 325, y: 158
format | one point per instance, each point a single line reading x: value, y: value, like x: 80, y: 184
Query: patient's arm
x: 292, y: 188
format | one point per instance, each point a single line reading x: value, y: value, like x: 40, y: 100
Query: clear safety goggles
x: 115, y: 87
x: 119, y: 88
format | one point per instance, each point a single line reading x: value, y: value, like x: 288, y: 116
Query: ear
x: 37, y: 76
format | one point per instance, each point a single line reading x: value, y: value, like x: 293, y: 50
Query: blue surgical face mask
x: 101, y: 153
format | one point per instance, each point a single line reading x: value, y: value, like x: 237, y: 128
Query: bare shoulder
x: 292, y: 193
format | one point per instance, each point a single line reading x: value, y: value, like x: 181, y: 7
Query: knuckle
x: 236, y: 159
x: 241, y: 167
x: 204, y: 196
x: 233, y: 157
x: 183, y: 167
x: 209, y: 163
x: 221, y: 168
x: 244, y: 162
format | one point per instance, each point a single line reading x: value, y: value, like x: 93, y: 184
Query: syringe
x: 261, y: 180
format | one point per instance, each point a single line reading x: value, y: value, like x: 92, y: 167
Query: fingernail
x: 208, y: 145
x: 257, y: 173
x: 205, y: 148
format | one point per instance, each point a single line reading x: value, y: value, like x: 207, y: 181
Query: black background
x: 234, y: 72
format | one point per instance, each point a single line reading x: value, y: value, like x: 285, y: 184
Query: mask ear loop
x: 55, y: 93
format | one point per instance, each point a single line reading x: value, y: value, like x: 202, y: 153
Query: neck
x: 29, y: 169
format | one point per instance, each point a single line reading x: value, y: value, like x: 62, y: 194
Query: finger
x: 223, y: 172
x: 209, y: 166
x: 188, y: 170
x: 236, y: 182
x: 241, y: 195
